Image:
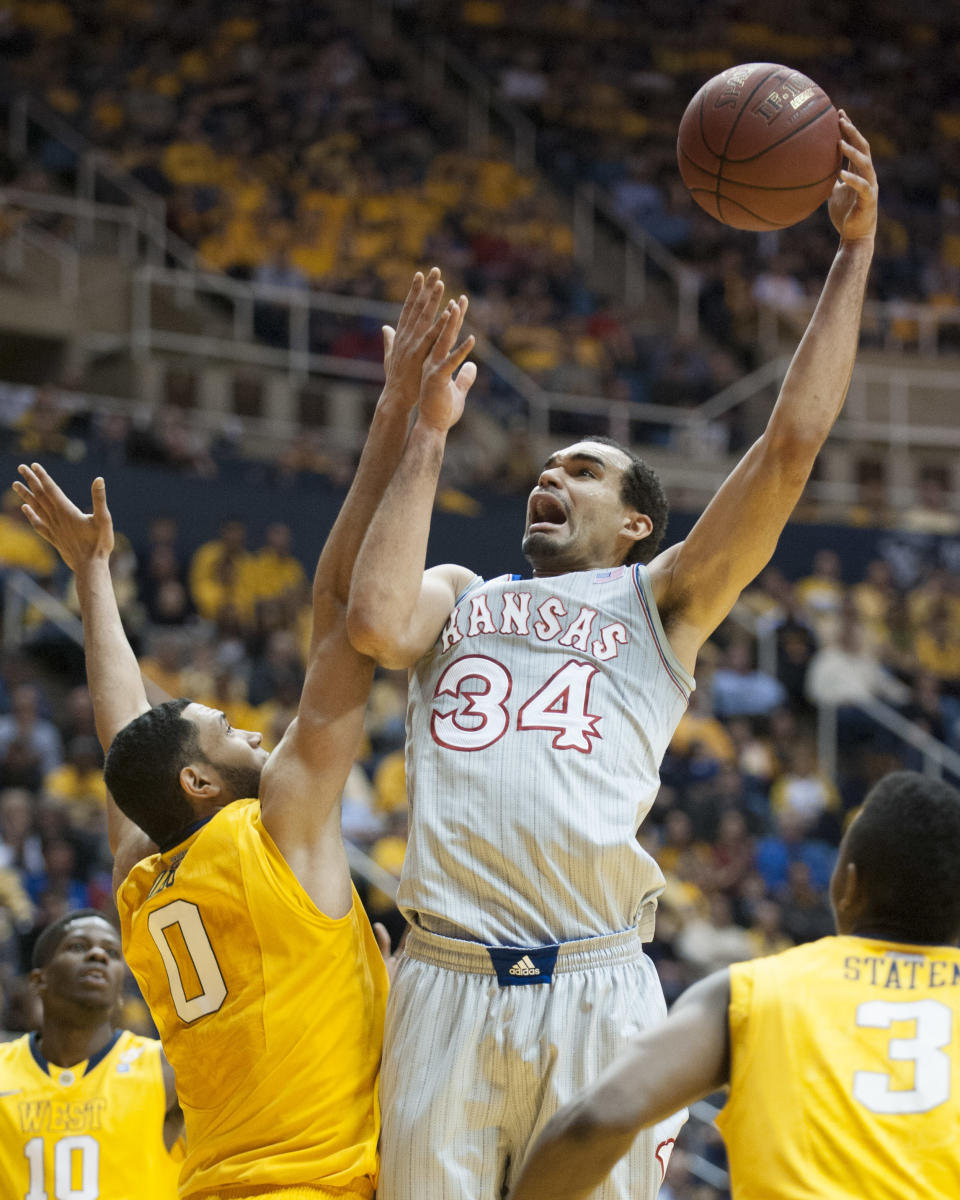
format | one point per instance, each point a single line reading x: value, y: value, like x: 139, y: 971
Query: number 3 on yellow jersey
x: 931, y: 1067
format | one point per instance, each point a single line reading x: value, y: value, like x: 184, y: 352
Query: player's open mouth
x: 546, y: 512
x: 94, y: 976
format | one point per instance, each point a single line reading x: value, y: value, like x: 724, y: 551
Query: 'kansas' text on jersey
x: 535, y: 729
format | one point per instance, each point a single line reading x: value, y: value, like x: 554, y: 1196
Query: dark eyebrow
x: 580, y: 456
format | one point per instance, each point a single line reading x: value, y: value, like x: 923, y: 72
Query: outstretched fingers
x: 455, y: 311
x: 30, y: 512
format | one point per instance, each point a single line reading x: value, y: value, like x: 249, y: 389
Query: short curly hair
x: 905, y: 844
x: 142, y: 769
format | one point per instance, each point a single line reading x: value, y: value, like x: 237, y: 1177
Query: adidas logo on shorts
x: 524, y: 966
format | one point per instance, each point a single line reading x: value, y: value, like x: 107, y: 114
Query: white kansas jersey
x: 535, y: 730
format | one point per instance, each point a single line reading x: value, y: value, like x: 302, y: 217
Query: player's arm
x: 85, y: 542
x: 697, y: 582
x: 397, y: 609
x: 669, y: 1066
x: 304, y: 777
x: 173, y: 1113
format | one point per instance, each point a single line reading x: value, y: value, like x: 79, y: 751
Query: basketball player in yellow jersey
x: 239, y: 918
x: 842, y: 1056
x: 86, y: 1110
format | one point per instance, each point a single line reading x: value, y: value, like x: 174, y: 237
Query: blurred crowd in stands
x: 293, y: 151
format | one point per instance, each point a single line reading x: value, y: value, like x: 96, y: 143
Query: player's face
x: 87, y: 966
x: 575, y: 515
x: 237, y: 754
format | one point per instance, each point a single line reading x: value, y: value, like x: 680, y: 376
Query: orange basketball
x: 759, y: 146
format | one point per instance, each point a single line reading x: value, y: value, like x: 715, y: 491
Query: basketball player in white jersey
x: 539, y: 712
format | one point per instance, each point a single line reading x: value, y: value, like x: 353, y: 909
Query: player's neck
x: 879, y: 931
x: 65, y: 1042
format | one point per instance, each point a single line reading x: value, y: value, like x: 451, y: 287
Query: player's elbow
x: 375, y: 638
x: 599, y: 1121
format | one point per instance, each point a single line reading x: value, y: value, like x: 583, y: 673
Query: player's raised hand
x: 442, y: 394
x: 853, y: 204
x: 76, y: 536
x: 406, y: 347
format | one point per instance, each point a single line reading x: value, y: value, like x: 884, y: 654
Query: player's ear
x: 38, y: 981
x: 200, y: 781
x: 848, y: 896
x: 636, y: 525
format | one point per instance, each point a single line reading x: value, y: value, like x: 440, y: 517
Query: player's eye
x: 586, y: 471
x: 113, y: 952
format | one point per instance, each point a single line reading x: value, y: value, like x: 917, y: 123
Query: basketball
x: 759, y: 146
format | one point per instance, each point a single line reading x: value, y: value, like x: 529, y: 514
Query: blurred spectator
x: 805, y: 791
x: 789, y: 843
x: 806, y: 912
x: 79, y: 784
x: 821, y: 593
x: 275, y: 570
x: 20, y: 845
x: 219, y: 572
x: 28, y: 732
x: 711, y: 940
x: 58, y: 884
x: 847, y: 672
x: 932, y: 513
x: 163, y: 664
x: 732, y: 853
x: 740, y: 689
x: 766, y: 930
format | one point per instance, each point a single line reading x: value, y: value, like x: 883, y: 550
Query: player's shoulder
x: 135, y: 1049
x: 789, y: 965
x: 217, y: 841
x: 13, y: 1050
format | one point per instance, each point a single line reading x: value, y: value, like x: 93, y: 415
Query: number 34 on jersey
x: 485, y: 708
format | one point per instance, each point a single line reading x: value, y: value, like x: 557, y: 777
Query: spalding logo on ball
x: 759, y: 146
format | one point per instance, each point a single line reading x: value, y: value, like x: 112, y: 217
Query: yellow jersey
x: 270, y: 1012
x: 93, y: 1130
x: 845, y: 1073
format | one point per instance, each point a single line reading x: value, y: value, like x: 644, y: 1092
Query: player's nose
x: 97, y: 954
x: 255, y: 739
x: 549, y: 477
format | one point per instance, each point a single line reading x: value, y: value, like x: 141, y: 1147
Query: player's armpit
x: 399, y: 645
x: 697, y: 582
x: 173, y: 1117
x: 133, y: 846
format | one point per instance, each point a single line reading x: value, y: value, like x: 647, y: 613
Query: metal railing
x: 95, y: 175
x: 899, y: 387
x: 937, y: 758
x: 65, y: 258
x: 928, y: 329
x: 20, y: 595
